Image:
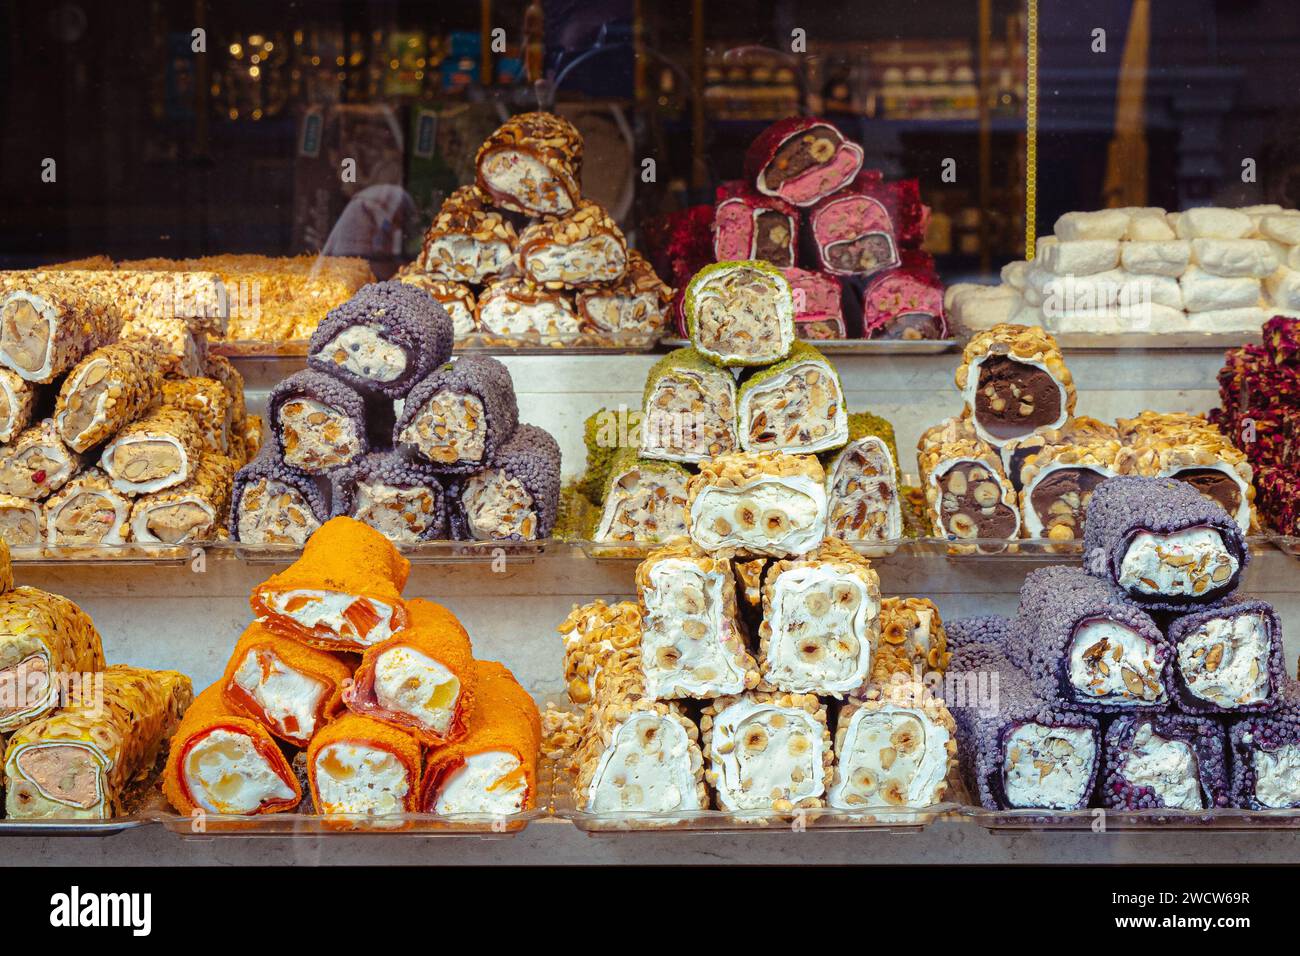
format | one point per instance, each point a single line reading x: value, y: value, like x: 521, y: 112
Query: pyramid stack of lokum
x: 1018, y: 463
x: 78, y: 732
x: 787, y: 398
x: 759, y: 669
x: 838, y: 234
x: 346, y: 693
x: 1147, y: 270
x: 381, y: 426
x: 1259, y: 387
x: 117, y: 424
x: 1143, y: 680
x: 520, y: 255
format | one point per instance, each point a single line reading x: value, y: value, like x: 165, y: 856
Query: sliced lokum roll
x: 461, y: 415
x: 690, y: 409
x: 209, y: 403
x: 968, y: 493
x: 818, y: 313
x: 605, y: 433
x: 515, y: 497
x: 768, y: 751
x: 190, y: 511
x: 493, y: 769
x: 17, y: 398
x: 468, y: 241
x: 343, y: 594
x: 384, y: 339
x: 894, y: 747
x: 764, y: 504
x: 1164, y: 761
x: 795, y: 406
x: 852, y: 235
x: 359, y: 766
x: 1171, y: 423
x: 638, y: 302
x: 47, y: 644
x: 88, y: 510
x: 78, y: 762
x: 904, y: 303
x: 1057, y: 483
x: 740, y: 313
x: 291, y: 689
x: 22, y: 523
x: 456, y: 298
x: 401, y: 499
x: 223, y: 762
x: 573, y: 250
x: 1205, y: 460
x: 750, y: 225
x: 599, y: 637
x: 37, y: 462
x: 179, y: 349
x: 532, y: 164
x: 801, y: 159
x: 1099, y: 437
x: 644, y: 500
x: 1079, y: 643
x: 1266, y: 755
x: 317, y: 421
x: 820, y: 622
x: 1163, y: 543
x: 862, y: 483
x: 224, y: 371
x: 421, y: 679
x: 692, y: 640
x: 51, y: 322
x: 1014, y: 381
x: 913, y: 641
x: 1228, y: 659
x: 272, y: 503
x: 522, y: 307
x: 158, y: 451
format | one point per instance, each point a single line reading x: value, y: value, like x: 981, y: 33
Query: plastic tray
x: 580, y: 343
x: 1099, y: 821
x: 71, y: 828
x: 221, y: 826
x: 427, y: 552
x: 105, y: 554
x: 863, y: 346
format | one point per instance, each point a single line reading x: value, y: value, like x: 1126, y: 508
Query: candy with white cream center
x: 363, y: 351
x: 763, y: 753
x: 1277, y: 776
x: 448, y: 429
x: 646, y: 767
x: 894, y: 756
x: 1048, y: 767
x: 225, y: 773
x: 352, y: 618
x: 272, y: 512
x: 400, y: 514
x: 820, y: 639
x: 774, y: 516
x: 1168, y: 767
x: 357, y: 778
x: 498, y: 505
x: 1192, y: 562
x: 289, y: 699
x: 689, y: 646
x: 316, y: 436
x: 412, y: 683
x: 1111, y: 662
x: 1225, y: 661
x: 519, y: 174
x: 489, y: 782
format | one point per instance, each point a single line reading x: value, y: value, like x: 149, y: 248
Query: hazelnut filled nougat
x: 361, y: 767
x: 1057, y: 482
x: 1201, y: 457
x: 400, y: 498
x: 460, y: 415
x: 905, y: 302
x: 1014, y: 381
x: 801, y: 159
x: 37, y: 462
x: 740, y: 313
x: 597, y: 637
x: 862, y: 490
x: 468, y: 241
x: 78, y: 762
x: 581, y: 247
x: 521, y: 307
x: 853, y: 235
x: 48, y: 321
x: 968, y: 494
x: 913, y: 642
x: 17, y: 398
x: 272, y: 503
x: 762, y: 504
x: 532, y: 164
x: 1164, y: 762
x: 749, y: 225
x: 515, y: 497
x: 690, y: 409
x: 190, y: 511
x: 158, y: 451
x: 795, y: 406
x: 644, y: 500
x: 22, y: 522
x: 638, y: 302
x: 88, y: 510
x: 208, y: 402
x: 818, y: 313
x: 318, y: 422
x: 1266, y: 755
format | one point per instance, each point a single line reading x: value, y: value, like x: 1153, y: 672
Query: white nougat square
x: 1213, y: 222
x: 1203, y: 292
x: 1159, y: 258
x: 1284, y: 288
x: 1283, y: 227
x: 1081, y: 257
x: 1234, y: 258
x: 1100, y: 224
x: 1248, y: 319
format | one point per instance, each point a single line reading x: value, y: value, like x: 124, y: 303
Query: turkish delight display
x: 402, y: 499
x: 795, y: 406
x: 862, y: 483
x: 740, y: 313
x: 767, y: 503
x: 1228, y: 659
x: 532, y: 164
x: 515, y: 497
x: 750, y: 225
x: 460, y: 416
x: 468, y: 241
x: 579, y: 248
x: 275, y: 503
x: 801, y: 160
x: 690, y: 409
x: 318, y: 422
x: 643, y: 500
x: 520, y: 307
x: 88, y: 510
x: 1164, y: 761
x: 1014, y: 381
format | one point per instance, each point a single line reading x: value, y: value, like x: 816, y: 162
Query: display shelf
x: 72, y: 828
x: 862, y: 346
x: 426, y: 552
x: 1099, y: 820
x: 121, y: 554
x: 223, y: 826
x: 579, y: 344
x: 1144, y: 341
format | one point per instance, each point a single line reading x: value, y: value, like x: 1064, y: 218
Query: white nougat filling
x: 1111, y: 662
x: 1168, y: 767
x: 363, y: 351
x: 1048, y: 767
x: 328, y: 609
x: 489, y: 782
x: 356, y: 778
x: 646, y: 767
x: 1225, y: 661
x: 861, y: 483
x: 597, y: 259
x: 523, y: 176
x: 894, y: 756
x: 799, y: 397
x: 290, y: 699
x: 399, y: 513
x: 1188, y: 562
x: 410, y: 682
x: 821, y: 640
x: 506, y: 316
x: 763, y: 753
x: 1277, y: 776
x: 682, y: 651
x: 225, y: 773
x: 772, y: 516
x: 463, y: 258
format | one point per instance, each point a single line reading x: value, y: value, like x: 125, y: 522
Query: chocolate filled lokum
x: 384, y: 339
x: 47, y: 323
x: 291, y: 689
x: 1078, y: 642
x: 532, y: 164
x: 690, y: 409
x: 1024, y: 751
x: 692, y: 641
x: 1014, y: 382
x: 1228, y: 659
x: 160, y: 450
x: 801, y: 159
x: 820, y: 622
x: 22, y: 523
x: 47, y: 645
x: 1266, y: 755
x: 1164, y: 761
x: 750, y: 225
x: 1203, y: 459
x: 468, y: 241
x: 795, y: 406
x: 768, y: 751
x: 272, y: 503
x: 894, y: 747
x: 968, y: 494
x: 913, y: 641
x: 78, y: 762
x: 208, y: 402
x: 862, y: 491
x: 638, y: 302
x: 400, y: 498
x: 1099, y: 437
x: 461, y: 415
x: 576, y: 249
x: 605, y: 433
x: 88, y: 510
x: 740, y: 313
x: 17, y: 398
x: 761, y: 504
x: 37, y: 462
x: 852, y: 234
x: 1057, y: 482
x: 644, y: 500
x: 493, y: 769
x: 516, y: 496
x: 359, y: 766
x: 179, y: 349
x: 318, y: 422
x: 1163, y: 543
x: 904, y: 303
x: 818, y: 313
x: 456, y: 298
x: 109, y: 388
x: 194, y: 510
x: 520, y: 306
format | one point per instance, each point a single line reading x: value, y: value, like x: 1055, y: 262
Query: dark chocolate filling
x: 1062, y: 498
x: 971, y: 506
x: 863, y: 254
x: 772, y: 238
x: 796, y: 156
x: 1215, y: 485
x: 911, y: 326
x: 1014, y: 398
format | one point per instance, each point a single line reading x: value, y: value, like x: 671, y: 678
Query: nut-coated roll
x: 194, y: 510
x: 272, y: 503
x: 644, y: 500
x: 1266, y: 755
x: 768, y: 503
x: 158, y: 451
x: 399, y: 497
x: 515, y: 497
x: 532, y: 164
x: 740, y: 313
x: 802, y: 159
x: 460, y: 415
x: 1014, y: 381
x: 468, y: 241
x: 318, y: 422
x: 913, y: 641
x: 1164, y: 761
x: 17, y: 400
x: 37, y: 462
x: 88, y: 510
x: 690, y: 409
x: 577, y: 249
x: 1228, y: 659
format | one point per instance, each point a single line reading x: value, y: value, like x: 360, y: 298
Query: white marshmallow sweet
x: 1081, y: 257
x: 1213, y: 222
x: 1282, y: 226
x: 1248, y: 319
x: 1284, y: 288
x: 1234, y: 258
x: 1100, y: 224
x: 1013, y: 273
x: 1169, y: 257
x: 1149, y: 225
x: 1203, y: 292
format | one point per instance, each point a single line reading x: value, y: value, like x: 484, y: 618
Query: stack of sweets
x: 806, y: 694
x: 520, y: 256
x: 376, y: 701
x: 1121, y: 683
x: 382, y: 427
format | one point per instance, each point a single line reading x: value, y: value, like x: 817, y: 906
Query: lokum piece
x: 968, y: 493
x: 223, y: 370
x: 795, y: 406
x: 750, y: 225
x: 158, y: 451
x: 208, y: 402
x: 1014, y: 381
x: 853, y: 235
x: 740, y: 313
x: 644, y: 500
x: 1164, y: 761
x: 461, y: 415
x: 864, y: 503
x: 690, y: 409
x: 47, y: 323
x: 37, y: 462
x: 1098, y: 224
x: 400, y: 498
x: 1168, y: 258
x: 1211, y: 222
x: 605, y: 433
x: 801, y: 159
x: 17, y: 398
x: 515, y: 497
x: 904, y: 303
x: 272, y: 503
x: 1057, y: 482
x: 318, y: 422
x: 576, y: 249
x: 180, y: 350
x: 520, y: 306
x: 88, y: 510
x: 190, y: 511
x: 599, y: 637
x: 1234, y: 257
x: 1228, y: 659
x: 1266, y: 755
x: 818, y: 312
x: 358, y: 766
x: 761, y: 504
x: 638, y: 302
x: 456, y: 298
x: 913, y: 641
x: 468, y: 241
x: 22, y: 524
x: 532, y: 164
x: 109, y: 388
